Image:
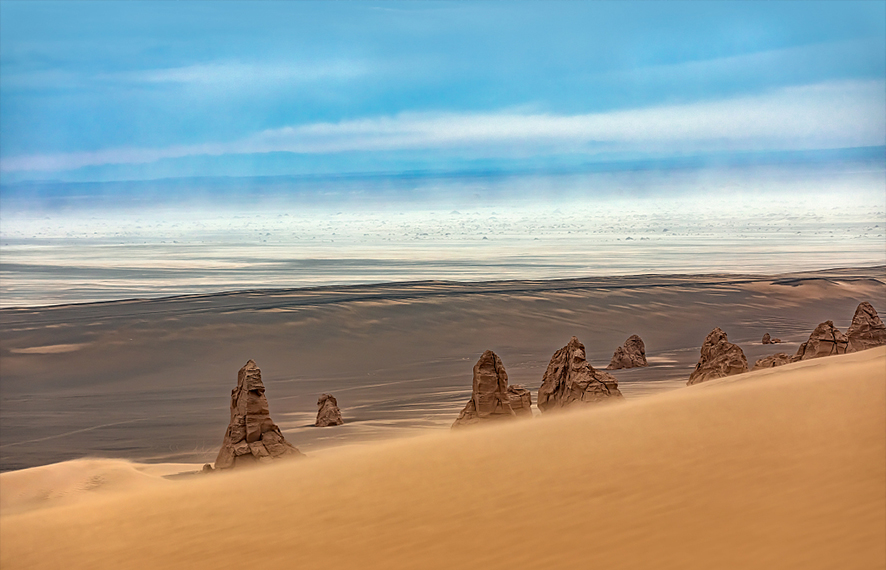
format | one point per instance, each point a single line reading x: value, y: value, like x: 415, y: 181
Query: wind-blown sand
x: 781, y: 468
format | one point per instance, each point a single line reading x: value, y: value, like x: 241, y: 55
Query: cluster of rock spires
x: 569, y: 379
x: 866, y: 331
x: 252, y: 437
x: 720, y: 358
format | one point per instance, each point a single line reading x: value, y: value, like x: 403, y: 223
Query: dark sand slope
x: 781, y: 468
x: 150, y: 380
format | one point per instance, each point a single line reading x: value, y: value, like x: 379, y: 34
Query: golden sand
x: 782, y: 468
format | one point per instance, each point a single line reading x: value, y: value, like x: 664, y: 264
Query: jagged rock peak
x: 490, y: 399
x: 866, y: 330
x: 328, y: 413
x: 570, y: 379
x: 251, y: 437
x: 718, y: 358
x: 825, y: 340
x: 631, y: 355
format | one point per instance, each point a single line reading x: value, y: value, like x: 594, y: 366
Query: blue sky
x: 140, y: 90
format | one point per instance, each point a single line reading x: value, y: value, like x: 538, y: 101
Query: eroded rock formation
x: 719, y: 358
x: 251, y: 436
x: 631, y: 355
x: 866, y: 330
x: 571, y: 379
x: 772, y: 361
x: 328, y: 413
x: 490, y: 399
x: 825, y: 340
x: 769, y: 340
x: 520, y: 399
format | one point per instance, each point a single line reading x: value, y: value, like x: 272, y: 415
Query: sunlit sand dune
x: 80, y: 480
x: 782, y: 468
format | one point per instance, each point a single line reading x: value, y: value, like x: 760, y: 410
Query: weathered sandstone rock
x: 825, y: 340
x: 328, y: 413
x: 571, y: 379
x: 520, y: 399
x: 772, y: 361
x: 631, y: 355
x: 251, y: 436
x: 719, y: 358
x: 490, y: 399
x: 866, y: 330
x: 769, y: 340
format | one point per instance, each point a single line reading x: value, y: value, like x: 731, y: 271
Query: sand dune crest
x: 781, y: 468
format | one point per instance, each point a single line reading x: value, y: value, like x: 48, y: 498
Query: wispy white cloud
x: 828, y: 115
x: 240, y: 73
x: 228, y: 74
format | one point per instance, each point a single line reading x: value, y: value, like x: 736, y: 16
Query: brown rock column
x: 825, y: 340
x: 570, y: 379
x: 251, y: 435
x: 719, y: 358
x: 328, y: 413
x: 490, y: 399
x: 631, y: 355
x: 866, y: 330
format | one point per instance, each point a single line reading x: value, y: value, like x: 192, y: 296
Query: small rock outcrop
x: 631, y: 355
x: 252, y: 436
x: 719, y: 358
x: 769, y: 340
x: 490, y: 397
x: 328, y: 413
x: 520, y: 399
x: 825, y: 340
x: 866, y: 330
x: 570, y: 379
x: 772, y: 361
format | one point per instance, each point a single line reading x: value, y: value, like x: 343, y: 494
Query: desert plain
x: 106, y: 405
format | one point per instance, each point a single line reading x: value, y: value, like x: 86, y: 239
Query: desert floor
x: 780, y: 468
x: 150, y: 380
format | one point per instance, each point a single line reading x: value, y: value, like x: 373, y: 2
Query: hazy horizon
x: 152, y: 149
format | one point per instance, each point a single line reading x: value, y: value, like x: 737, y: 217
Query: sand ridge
x: 781, y: 468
